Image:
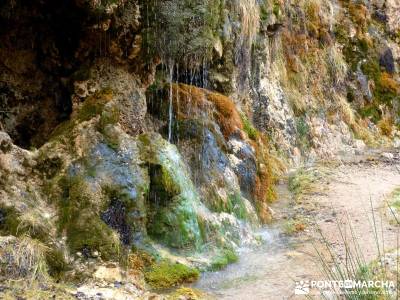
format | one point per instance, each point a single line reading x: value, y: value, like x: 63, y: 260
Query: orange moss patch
x: 295, y: 44
x: 227, y: 116
x: 359, y: 15
x: 189, y: 100
x: 138, y: 262
x: 389, y: 84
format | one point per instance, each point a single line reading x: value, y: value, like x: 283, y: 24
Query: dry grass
x: 340, y: 107
x: 249, y: 18
x: 306, y: 181
x: 313, y: 20
x: 386, y: 126
x: 35, y: 291
x: 295, y: 43
x: 360, y: 129
x: 33, y: 224
x: 336, y: 64
x: 23, y: 258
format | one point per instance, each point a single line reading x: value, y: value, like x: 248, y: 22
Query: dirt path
x: 345, y: 192
x: 357, y: 195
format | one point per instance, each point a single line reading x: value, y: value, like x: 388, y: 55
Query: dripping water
x: 171, y: 109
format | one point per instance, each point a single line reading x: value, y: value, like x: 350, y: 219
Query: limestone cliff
x: 135, y: 132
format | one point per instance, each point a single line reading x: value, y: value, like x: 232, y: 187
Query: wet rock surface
x: 133, y: 132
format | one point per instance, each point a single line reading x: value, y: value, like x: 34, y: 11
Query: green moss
x: 341, y: 34
x: 79, y: 217
x: 372, y: 69
x: 370, y: 111
x: 92, y: 107
x: 225, y: 257
x: 355, y: 50
x: 363, y: 45
x: 264, y: 12
x: 233, y: 204
x: 237, y: 206
x: 110, y: 115
x: 166, y: 274
x: 88, y: 231
x: 251, y: 132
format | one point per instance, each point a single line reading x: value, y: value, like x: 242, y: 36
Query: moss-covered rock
x: 223, y: 258
x: 166, y: 274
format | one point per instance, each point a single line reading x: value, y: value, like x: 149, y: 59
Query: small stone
x: 79, y: 254
x: 95, y: 254
x: 396, y: 142
x: 5, y: 142
x: 387, y: 155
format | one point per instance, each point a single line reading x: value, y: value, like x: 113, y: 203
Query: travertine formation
x: 134, y: 132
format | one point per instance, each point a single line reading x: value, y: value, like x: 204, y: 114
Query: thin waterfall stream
x: 171, y: 108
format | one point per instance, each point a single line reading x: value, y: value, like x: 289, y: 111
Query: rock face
x: 392, y: 12
x: 145, y: 126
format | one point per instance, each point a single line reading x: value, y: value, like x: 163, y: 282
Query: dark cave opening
x: 38, y: 58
